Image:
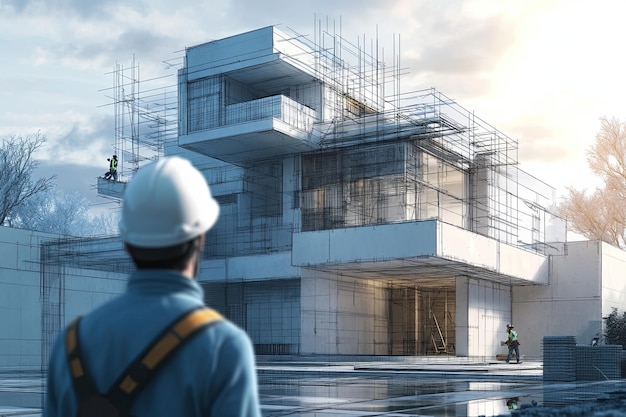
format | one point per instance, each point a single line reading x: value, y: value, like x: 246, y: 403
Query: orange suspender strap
x: 144, y: 367
x: 82, y: 381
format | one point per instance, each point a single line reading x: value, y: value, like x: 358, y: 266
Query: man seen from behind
x: 202, y: 366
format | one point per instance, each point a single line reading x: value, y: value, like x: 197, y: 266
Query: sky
x: 541, y: 71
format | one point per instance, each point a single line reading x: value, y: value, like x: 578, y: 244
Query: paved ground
x: 393, y: 387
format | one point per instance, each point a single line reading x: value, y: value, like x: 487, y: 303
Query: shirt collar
x: 162, y: 281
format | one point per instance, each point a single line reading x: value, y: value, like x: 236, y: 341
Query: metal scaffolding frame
x: 384, y: 156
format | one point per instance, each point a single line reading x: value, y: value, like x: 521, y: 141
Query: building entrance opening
x: 422, y: 318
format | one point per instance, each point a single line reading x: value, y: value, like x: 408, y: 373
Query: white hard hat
x: 166, y: 203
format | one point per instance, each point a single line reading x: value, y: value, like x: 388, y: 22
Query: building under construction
x: 355, y: 218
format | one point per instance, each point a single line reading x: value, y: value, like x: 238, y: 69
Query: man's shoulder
x: 225, y: 332
x: 226, y: 328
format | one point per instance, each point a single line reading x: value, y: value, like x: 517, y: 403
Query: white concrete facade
x: 483, y: 309
x: 20, y: 311
x: 38, y: 298
x: 413, y: 247
x: 343, y: 315
x: 586, y: 282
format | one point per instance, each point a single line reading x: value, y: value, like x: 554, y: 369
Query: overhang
x: 421, y: 250
x: 243, y: 143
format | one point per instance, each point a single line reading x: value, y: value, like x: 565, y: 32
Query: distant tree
x: 66, y: 214
x: 615, y: 329
x: 602, y: 214
x: 105, y: 224
x: 17, y: 165
x: 46, y: 213
x: 37, y: 204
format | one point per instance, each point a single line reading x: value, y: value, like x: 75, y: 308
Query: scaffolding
x: 145, y: 115
x: 381, y: 156
x: 386, y: 156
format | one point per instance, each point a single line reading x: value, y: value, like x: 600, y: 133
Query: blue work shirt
x: 213, y: 374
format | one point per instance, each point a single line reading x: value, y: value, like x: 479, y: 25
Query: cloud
x: 539, y: 143
x: 299, y: 16
x: 95, y: 51
x: 149, y: 44
x: 86, y: 141
x: 464, y: 49
x: 70, y: 176
x: 94, y: 35
x: 505, y: 60
x: 84, y: 9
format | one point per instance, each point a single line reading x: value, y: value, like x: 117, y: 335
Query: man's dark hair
x: 172, y: 257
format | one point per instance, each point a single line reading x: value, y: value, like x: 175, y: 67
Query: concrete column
x: 462, y: 305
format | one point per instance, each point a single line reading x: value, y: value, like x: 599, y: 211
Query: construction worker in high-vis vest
x: 112, y: 173
x: 512, y: 342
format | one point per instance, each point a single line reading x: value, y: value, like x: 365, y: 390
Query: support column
x: 462, y: 322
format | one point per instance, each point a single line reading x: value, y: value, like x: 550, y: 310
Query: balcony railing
x: 278, y: 107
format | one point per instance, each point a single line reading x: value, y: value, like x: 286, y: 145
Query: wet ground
x: 321, y: 387
x: 399, y: 388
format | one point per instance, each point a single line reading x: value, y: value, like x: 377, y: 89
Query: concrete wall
x: 613, y: 285
x: 571, y: 305
x: 268, y: 310
x: 86, y: 290
x: 483, y: 309
x: 260, y: 293
x: 273, y: 316
x: 232, y: 53
x: 342, y: 315
x: 251, y: 268
x: 468, y: 247
x: 20, y: 309
x: 426, y: 238
x: 37, y: 301
x: 69, y: 292
x: 360, y: 244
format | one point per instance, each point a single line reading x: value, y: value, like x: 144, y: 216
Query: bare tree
x: 17, y: 165
x: 45, y: 212
x: 65, y: 214
x: 105, y: 224
x: 602, y: 214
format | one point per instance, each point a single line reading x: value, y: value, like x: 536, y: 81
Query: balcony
x: 250, y: 131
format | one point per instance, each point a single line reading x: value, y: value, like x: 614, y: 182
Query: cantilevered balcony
x: 253, y: 130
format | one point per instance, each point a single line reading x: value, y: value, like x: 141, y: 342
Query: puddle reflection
x: 385, y: 396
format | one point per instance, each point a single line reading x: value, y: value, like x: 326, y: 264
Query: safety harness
x: 117, y: 400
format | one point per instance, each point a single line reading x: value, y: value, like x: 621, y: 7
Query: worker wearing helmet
x: 167, y: 209
x: 112, y: 173
x: 512, y: 343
